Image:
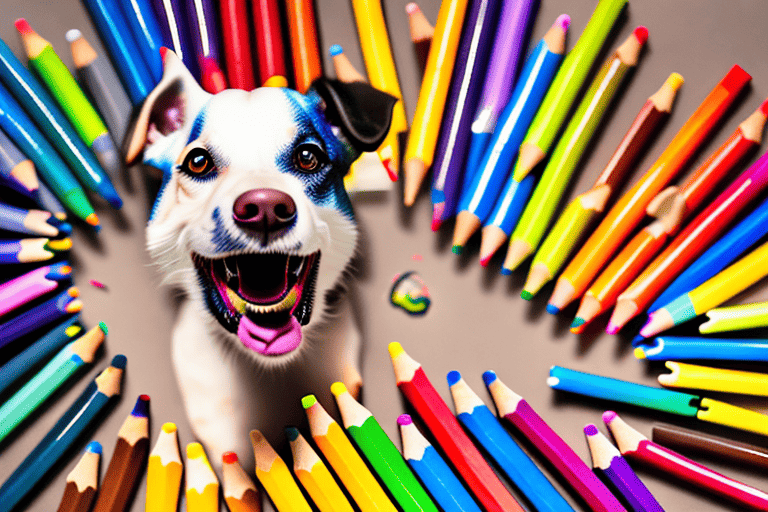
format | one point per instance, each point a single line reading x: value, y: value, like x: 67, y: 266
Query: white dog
x: 253, y: 223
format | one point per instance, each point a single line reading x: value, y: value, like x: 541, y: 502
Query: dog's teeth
x: 228, y: 272
x: 297, y: 272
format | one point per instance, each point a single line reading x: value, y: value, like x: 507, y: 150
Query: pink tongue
x: 270, y: 341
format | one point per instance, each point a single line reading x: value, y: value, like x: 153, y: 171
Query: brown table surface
x: 477, y: 320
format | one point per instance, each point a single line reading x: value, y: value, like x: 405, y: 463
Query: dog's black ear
x: 362, y: 112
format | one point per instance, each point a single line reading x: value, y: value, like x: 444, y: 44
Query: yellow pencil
x: 240, y: 493
x: 344, y: 459
x: 202, y: 486
x: 314, y: 475
x: 422, y: 139
x: 693, y: 376
x: 164, y: 472
x: 276, y: 478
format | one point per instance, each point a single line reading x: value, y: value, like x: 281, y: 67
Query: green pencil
x: 566, y: 85
x: 540, y: 209
x: 381, y: 453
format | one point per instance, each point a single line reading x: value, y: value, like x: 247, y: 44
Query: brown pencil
x: 695, y: 442
x: 82, y: 481
x: 421, y: 33
x: 128, y: 460
x: 240, y: 492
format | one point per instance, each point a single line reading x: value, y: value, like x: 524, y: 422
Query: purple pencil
x: 33, y: 284
x: 466, y: 84
x: 506, y: 57
x: 608, y: 462
x: 517, y: 411
x: 203, y: 31
x: 175, y: 29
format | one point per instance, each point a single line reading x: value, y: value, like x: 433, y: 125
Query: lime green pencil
x: 566, y: 85
x: 538, y: 213
x: 381, y: 453
x: 736, y: 318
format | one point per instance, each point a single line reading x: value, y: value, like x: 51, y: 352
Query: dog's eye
x: 309, y: 158
x: 198, y: 162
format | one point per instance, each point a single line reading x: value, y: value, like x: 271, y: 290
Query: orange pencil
x: 670, y: 208
x: 304, y: 46
x: 627, y: 213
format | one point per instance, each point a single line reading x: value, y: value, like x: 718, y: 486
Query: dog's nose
x: 264, y: 209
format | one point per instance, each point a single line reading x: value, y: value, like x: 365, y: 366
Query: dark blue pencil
x: 49, y: 311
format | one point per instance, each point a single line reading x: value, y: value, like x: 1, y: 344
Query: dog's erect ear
x: 362, y: 112
x: 176, y: 100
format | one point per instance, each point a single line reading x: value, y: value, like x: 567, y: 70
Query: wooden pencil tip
x: 415, y: 170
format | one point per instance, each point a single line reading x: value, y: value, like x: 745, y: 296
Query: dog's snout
x: 265, y: 210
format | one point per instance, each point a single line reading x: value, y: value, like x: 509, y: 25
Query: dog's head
x: 252, y: 218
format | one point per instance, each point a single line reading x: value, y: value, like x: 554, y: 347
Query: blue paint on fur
x: 199, y: 123
x: 221, y: 238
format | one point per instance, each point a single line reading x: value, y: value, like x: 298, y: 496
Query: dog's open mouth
x: 264, y: 298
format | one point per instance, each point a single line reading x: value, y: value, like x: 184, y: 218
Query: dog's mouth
x: 264, y: 298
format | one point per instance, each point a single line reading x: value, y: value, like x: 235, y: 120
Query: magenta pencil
x: 32, y: 285
x: 517, y: 411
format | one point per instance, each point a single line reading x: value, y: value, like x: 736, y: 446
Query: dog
x: 253, y: 223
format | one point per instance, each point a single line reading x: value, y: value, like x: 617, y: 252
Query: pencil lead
x: 505, y: 271
x: 457, y: 249
x: 577, y: 322
x: 526, y: 295
x: 552, y: 309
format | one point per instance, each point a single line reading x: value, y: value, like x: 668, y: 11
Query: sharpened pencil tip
x: 641, y: 33
x: 336, y: 49
x: 457, y: 249
x: 338, y: 388
x: 453, y: 377
x: 552, y: 309
x: 103, y: 328
x: 564, y: 21
x: 169, y: 428
x: 229, y: 457
x: 590, y: 430
x: 526, y: 295
x: 612, y: 328
x: 141, y: 409
x: 92, y: 219
x: 292, y: 433
x: 639, y: 352
x: 609, y: 416
x: 412, y: 8
x: 404, y: 419
x: 489, y: 377
x: 93, y: 447
x: 577, y: 322
x: 119, y: 362
x: 505, y: 271
x: 308, y: 401
x: 23, y: 26
x: 195, y: 451
x: 395, y: 349
x: 73, y: 35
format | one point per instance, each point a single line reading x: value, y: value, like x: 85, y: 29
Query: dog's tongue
x: 263, y: 278
x: 271, y: 341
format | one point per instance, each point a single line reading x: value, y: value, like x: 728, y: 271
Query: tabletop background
x: 477, y: 320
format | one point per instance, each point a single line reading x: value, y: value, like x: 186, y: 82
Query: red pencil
x: 236, y: 35
x: 442, y: 424
x: 635, y: 446
x: 269, y: 44
x: 213, y: 79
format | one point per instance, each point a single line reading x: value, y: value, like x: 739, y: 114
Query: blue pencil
x: 145, y: 28
x: 720, y: 255
x: 432, y: 470
x: 49, y: 311
x: 673, y: 348
x: 479, y: 196
x: 31, y: 94
x: 116, y: 35
x: 31, y: 222
x: 39, y: 351
x: 488, y: 432
x: 70, y: 427
x: 507, y: 212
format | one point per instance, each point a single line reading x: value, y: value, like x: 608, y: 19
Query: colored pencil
x: 488, y: 432
x: 380, y: 452
x: 508, y: 45
x: 608, y: 462
x: 269, y: 44
x: 240, y: 493
x: 630, y: 209
x: 421, y: 31
x: 22, y: 130
x: 172, y: 18
x: 204, y: 35
x: 202, y: 487
x: 164, y: 472
x: 236, y: 40
x: 481, y: 194
x: 99, y: 80
x: 664, y: 348
x: 143, y: 24
x: 714, y: 379
x: 519, y: 413
x: 580, y: 214
x: 735, y: 242
x: 736, y: 318
x: 422, y: 139
x: 51, y: 377
x: 123, y: 50
x: 212, y: 78
x: 305, y: 46
x: 32, y: 222
x: 672, y: 208
x: 635, y: 446
x: 570, y: 148
x: 673, y: 402
x: 725, y: 285
x: 314, y: 475
x: 39, y: 351
x: 33, y: 284
x: 343, y: 458
x: 17, y: 170
x: 82, y: 481
x: 705, y: 444
x: 506, y: 213
x: 31, y: 249
x: 702, y: 231
x: 275, y: 476
x: 56, y: 308
x: 447, y: 431
x: 49, y: 202
x: 463, y: 95
x: 566, y: 85
x: 433, y: 471
x: 85, y: 410
x: 382, y: 73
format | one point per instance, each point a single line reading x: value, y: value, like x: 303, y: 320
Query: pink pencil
x: 32, y: 285
x: 517, y: 411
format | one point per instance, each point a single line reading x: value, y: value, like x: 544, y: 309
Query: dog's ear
x: 175, y: 101
x: 362, y: 112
